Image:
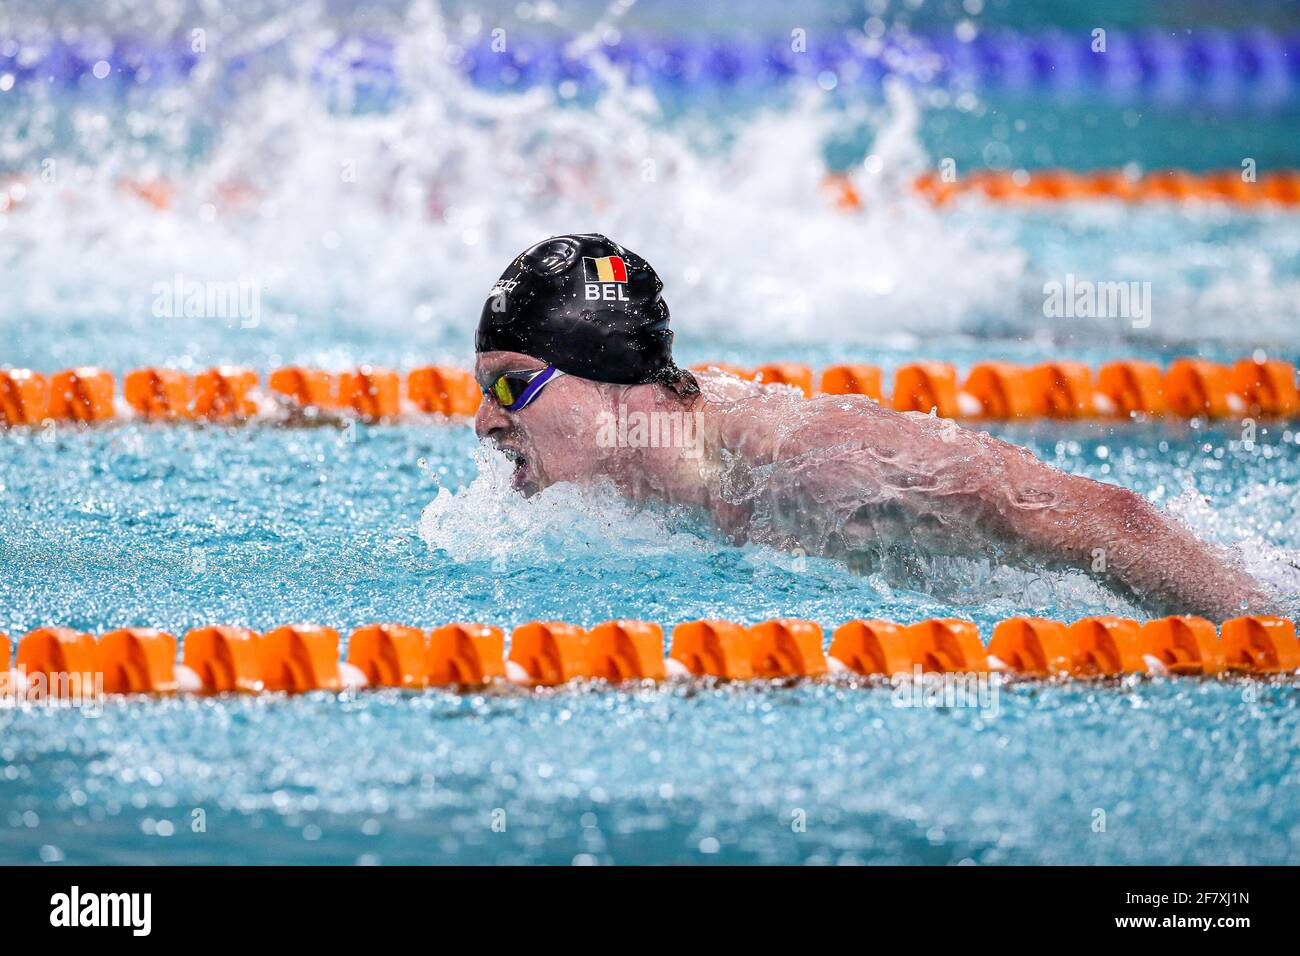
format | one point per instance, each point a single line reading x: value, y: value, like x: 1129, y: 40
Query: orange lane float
x: 872, y: 647
x: 1170, y: 184
x: 839, y: 189
x: 66, y: 660
x: 1000, y: 390
x: 138, y: 660
x: 852, y: 380
x: 1033, y: 646
x: 1101, y: 184
x: 1001, y: 186
x: 306, y: 387
x: 550, y: 652
x: 786, y: 648
x: 7, y: 683
x: 626, y: 650
x: 1053, y: 184
x: 1282, y: 186
x: 1195, y: 387
x: 931, y: 185
x: 995, y: 185
x: 1261, y: 644
x: 81, y: 394
x: 226, y: 659
x: 925, y: 387
x: 1183, y: 644
x: 1266, y: 387
x: 301, y: 657
x: 1228, y: 186
x: 786, y: 373
x: 468, y: 654
x: 24, y: 397
x: 225, y: 392
x: 390, y: 655
x: 1132, y: 388
x: 1063, y: 389
x: 159, y: 393
x: 444, y: 391
x: 948, y: 645
x: 713, y: 649
x: 882, y: 647
x: 371, y: 392
x: 1106, y: 646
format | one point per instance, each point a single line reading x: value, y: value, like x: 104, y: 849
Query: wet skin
x: 842, y: 476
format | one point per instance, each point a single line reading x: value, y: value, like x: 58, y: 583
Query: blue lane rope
x: 1150, y: 62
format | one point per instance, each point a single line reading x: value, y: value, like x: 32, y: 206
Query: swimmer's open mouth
x: 520, y: 476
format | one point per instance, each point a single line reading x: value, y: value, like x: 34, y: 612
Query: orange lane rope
x: 1242, y: 187
x: 1239, y: 187
x: 1188, y: 388
x: 1235, y: 186
x: 302, y: 657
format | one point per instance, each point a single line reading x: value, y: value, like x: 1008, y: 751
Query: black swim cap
x: 587, y: 306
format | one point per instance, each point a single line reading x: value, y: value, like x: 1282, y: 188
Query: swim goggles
x: 514, y: 391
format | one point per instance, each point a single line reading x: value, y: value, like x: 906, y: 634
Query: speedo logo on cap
x: 606, y: 278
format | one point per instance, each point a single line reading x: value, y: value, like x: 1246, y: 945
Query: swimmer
x: 574, y: 356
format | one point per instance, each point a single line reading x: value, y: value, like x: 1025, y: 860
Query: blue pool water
x: 1184, y: 772
x: 102, y: 529
x: 134, y: 524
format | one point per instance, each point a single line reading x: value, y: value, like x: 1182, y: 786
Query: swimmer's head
x: 587, y: 306
x: 573, y: 320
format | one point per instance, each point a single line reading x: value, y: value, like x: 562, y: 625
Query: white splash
x: 1247, y: 528
x: 402, y: 218
x: 486, y: 520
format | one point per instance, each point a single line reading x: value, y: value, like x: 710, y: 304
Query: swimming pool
x: 173, y: 526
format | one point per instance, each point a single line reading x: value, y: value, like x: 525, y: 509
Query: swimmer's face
x: 554, y: 437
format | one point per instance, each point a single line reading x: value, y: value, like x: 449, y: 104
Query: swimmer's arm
x: 998, y: 490
x: 1119, y: 536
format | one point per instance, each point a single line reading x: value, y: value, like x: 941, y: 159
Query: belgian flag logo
x: 608, y: 269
